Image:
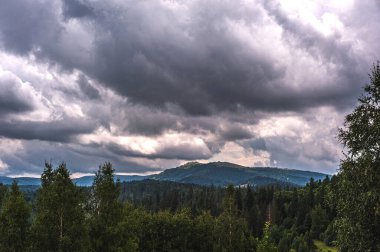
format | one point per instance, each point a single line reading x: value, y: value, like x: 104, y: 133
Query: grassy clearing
x: 322, y: 247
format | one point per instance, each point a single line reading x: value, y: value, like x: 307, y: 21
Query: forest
x: 164, y: 216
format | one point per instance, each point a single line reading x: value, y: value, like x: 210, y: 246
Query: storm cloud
x: 156, y: 83
x: 14, y: 95
x: 57, y: 131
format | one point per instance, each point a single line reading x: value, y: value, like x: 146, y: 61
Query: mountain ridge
x: 213, y: 173
x: 224, y: 173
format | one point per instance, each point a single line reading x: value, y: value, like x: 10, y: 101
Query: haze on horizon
x: 150, y: 85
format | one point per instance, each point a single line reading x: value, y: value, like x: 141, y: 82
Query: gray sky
x: 150, y: 85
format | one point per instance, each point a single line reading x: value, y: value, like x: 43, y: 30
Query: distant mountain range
x: 216, y: 173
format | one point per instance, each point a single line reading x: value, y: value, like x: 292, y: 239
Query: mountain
x: 223, y: 173
x: 20, y: 181
x: 87, y: 180
x: 216, y: 173
x: 82, y: 181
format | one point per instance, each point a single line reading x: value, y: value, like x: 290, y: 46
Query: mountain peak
x: 189, y: 165
x: 225, y: 173
x: 226, y: 164
x: 217, y: 164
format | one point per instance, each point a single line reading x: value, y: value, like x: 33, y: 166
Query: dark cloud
x: 28, y: 25
x: 201, y: 65
x: 79, y: 158
x: 199, y: 75
x: 87, y: 89
x: 76, y: 9
x: 235, y: 132
x: 142, y: 121
x: 14, y: 96
x: 184, y: 152
x: 174, y: 151
x: 257, y: 144
x: 204, y: 69
x: 12, y: 103
x: 57, y: 131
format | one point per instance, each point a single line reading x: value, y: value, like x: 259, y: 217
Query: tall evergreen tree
x: 14, y: 223
x: 203, y: 232
x: 59, y: 223
x: 106, y: 210
x: 265, y: 244
x: 319, y: 222
x: 232, y: 232
x: 3, y: 191
x: 239, y: 200
x: 249, y: 199
x: 359, y: 175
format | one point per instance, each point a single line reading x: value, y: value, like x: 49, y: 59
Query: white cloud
x: 234, y: 153
x: 3, y: 166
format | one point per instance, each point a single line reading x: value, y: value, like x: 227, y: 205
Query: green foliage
x: 358, y: 193
x: 59, y: 223
x: 291, y: 222
x: 265, y: 244
x: 14, y: 224
x: 106, y: 211
x: 285, y: 243
x: 319, y: 221
x: 329, y: 236
x: 231, y: 231
x: 204, y: 228
x: 167, y: 216
x: 322, y: 247
x: 3, y: 191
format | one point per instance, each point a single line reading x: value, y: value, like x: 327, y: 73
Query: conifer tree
x: 14, y: 223
x: 3, y: 191
x: 106, y: 210
x: 59, y: 223
x: 265, y: 244
x: 232, y: 232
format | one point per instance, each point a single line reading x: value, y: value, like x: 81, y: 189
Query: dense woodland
x: 163, y: 216
x: 343, y: 210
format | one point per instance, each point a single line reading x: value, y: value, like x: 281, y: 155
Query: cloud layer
x: 152, y: 84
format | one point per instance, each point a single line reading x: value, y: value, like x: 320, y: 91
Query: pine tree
x: 232, y: 232
x: 59, y: 223
x: 3, y: 191
x: 204, y: 225
x: 239, y: 200
x: 319, y: 222
x: 249, y: 199
x: 265, y: 244
x: 106, y: 210
x: 14, y: 223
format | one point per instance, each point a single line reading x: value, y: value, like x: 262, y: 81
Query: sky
x: 150, y: 84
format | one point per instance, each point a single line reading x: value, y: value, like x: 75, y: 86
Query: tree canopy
x: 359, y: 176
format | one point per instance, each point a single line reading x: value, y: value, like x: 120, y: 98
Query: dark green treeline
x: 163, y: 216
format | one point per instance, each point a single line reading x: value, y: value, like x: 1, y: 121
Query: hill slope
x: 223, y: 173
